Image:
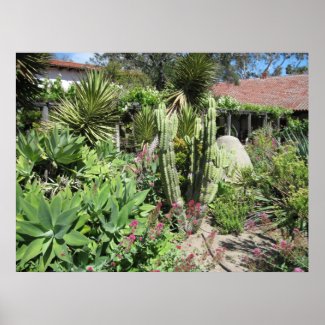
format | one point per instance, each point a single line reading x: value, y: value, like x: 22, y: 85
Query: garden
x: 128, y: 175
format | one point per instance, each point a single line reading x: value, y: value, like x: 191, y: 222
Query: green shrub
x: 231, y: 208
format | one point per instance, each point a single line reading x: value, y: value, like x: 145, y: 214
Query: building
x: 69, y: 71
x: 288, y: 92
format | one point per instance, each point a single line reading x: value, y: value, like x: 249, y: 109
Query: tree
x: 296, y: 70
x: 156, y: 65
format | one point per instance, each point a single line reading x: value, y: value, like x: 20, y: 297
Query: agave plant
x: 93, y: 112
x: 193, y: 75
x: 46, y: 230
x: 144, y: 125
x: 61, y: 147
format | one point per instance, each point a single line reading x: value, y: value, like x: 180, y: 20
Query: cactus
x: 167, y: 129
x: 205, y: 176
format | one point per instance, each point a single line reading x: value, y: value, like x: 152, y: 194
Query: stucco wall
x: 68, y: 76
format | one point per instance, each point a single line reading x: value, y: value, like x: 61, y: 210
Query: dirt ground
x: 229, y: 251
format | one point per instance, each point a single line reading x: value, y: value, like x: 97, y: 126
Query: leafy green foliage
x: 93, y: 113
x: 142, y: 96
x: 53, y: 91
x: 229, y: 103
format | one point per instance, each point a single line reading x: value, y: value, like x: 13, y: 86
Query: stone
x: 239, y: 154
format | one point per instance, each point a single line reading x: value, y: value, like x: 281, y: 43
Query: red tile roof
x: 71, y: 65
x: 286, y: 92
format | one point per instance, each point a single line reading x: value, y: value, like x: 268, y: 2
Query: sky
x: 83, y: 57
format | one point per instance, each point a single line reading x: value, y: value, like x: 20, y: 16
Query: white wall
x: 68, y: 76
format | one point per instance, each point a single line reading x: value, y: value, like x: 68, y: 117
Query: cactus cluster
x: 204, y: 174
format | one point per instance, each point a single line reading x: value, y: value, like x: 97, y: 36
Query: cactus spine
x: 167, y: 129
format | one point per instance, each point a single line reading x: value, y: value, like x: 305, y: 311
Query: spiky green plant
x: 144, y: 125
x: 29, y: 67
x: 193, y: 75
x: 186, y: 122
x: 93, y: 112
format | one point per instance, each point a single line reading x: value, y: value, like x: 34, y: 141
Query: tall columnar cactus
x: 205, y: 175
x: 167, y: 129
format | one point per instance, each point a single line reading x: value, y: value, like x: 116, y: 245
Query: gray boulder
x: 237, y: 150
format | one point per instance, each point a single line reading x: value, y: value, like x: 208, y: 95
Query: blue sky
x: 80, y: 57
x: 83, y: 57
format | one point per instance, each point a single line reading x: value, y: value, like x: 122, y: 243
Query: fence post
x: 45, y: 112
x: 229, y: 124
x: 249, y: 124
x: 265, y: 120
x: 118, y: 138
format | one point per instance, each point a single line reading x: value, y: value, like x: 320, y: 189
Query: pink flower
x: 132, y: 238
x: 283, y: 244
x: 89, y: 268
x: 257, y: 252
x: 178, y: 247
x: 174, y: 205
x: 191, y: 203
x: 140, y: 238
x: 113, y: 264
x: 298, y: 269
x: 160, y: 226
x: 134, y: 224
x: 195, y: 222
x: 155, y: 271
x: 198, y: 206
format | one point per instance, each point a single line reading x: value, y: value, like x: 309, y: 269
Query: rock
x: 233, y: 145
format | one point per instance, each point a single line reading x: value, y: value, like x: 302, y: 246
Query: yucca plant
x: 93, y: 112
x: 144, y: 125
x: 192, y: 77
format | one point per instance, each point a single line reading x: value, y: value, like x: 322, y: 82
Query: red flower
x: 178, y: 247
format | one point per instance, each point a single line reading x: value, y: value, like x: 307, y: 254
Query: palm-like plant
x: 193, y: 75
x: 29, y: 67
x: 144, y: 125
x: 93, y: 112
